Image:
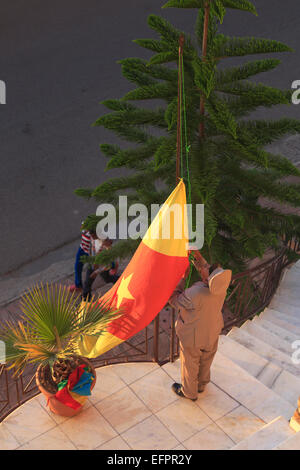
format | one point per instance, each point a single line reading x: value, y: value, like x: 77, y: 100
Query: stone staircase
x: 263, y: 348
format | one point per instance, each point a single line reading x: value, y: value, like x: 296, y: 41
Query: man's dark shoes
x: 178, y: 390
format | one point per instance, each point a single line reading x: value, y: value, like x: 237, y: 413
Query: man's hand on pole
x: 198, y: 260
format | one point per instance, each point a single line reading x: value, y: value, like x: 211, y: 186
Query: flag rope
x: 182, y: 111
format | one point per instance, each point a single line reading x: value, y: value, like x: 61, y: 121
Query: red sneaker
x: 74, y: 288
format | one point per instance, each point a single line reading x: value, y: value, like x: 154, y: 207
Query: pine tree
x: 230, y: 170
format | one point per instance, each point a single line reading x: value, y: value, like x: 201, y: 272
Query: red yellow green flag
x: 74, y: 391
x: 149, y: 279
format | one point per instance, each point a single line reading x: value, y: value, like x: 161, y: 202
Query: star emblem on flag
x: 123, y: 291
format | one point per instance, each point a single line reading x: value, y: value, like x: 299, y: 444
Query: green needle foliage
x: 229, y: 168
x: 51, y: 324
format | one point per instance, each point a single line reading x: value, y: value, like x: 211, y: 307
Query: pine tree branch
x: 233, y: 74
x: 264, y: 132
x: 226, y: 46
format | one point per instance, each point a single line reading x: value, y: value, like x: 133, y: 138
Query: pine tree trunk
x: 204, y: 52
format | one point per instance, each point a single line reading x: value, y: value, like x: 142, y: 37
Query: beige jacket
x: 200, y: 319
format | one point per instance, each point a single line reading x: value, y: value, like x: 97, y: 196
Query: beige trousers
x: 195, y: 368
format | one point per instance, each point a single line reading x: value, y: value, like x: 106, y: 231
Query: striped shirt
x: 86, y: 242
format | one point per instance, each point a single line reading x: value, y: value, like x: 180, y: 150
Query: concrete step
x: 272, y: 376
x: 293, y: 272
x: 265, y: 350
x: 287, y: 386
x: 291, y: 443
x: 265, y: 371
x: 290, y: 293
x: 296, y: 265
x: 286, y: 305
x: 282, y: 320
x: 243, y: 357
x: 291, y: 282
x: 268, y: 337
x: 248, y: 391
x: 290, y: 277
x: 294, y: 269
x: 275, y: 329
x: 268, y: 437
x: 269, y: 374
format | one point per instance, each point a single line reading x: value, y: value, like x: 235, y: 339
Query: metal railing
x: 248, y: 294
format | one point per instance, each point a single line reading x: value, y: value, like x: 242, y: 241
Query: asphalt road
x: 59, y: 60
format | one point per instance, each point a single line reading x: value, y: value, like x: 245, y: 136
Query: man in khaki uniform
x: 198, y: 325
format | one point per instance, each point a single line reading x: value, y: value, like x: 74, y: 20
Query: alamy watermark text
x: 176, y: 221
x: 2, y: 92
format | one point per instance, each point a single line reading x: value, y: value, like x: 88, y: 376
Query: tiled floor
x: 133, y: 407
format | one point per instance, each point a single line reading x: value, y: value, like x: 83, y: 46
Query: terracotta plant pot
x: 55, y: 405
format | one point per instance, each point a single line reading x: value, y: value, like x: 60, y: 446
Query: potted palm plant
x: 47, y: 334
